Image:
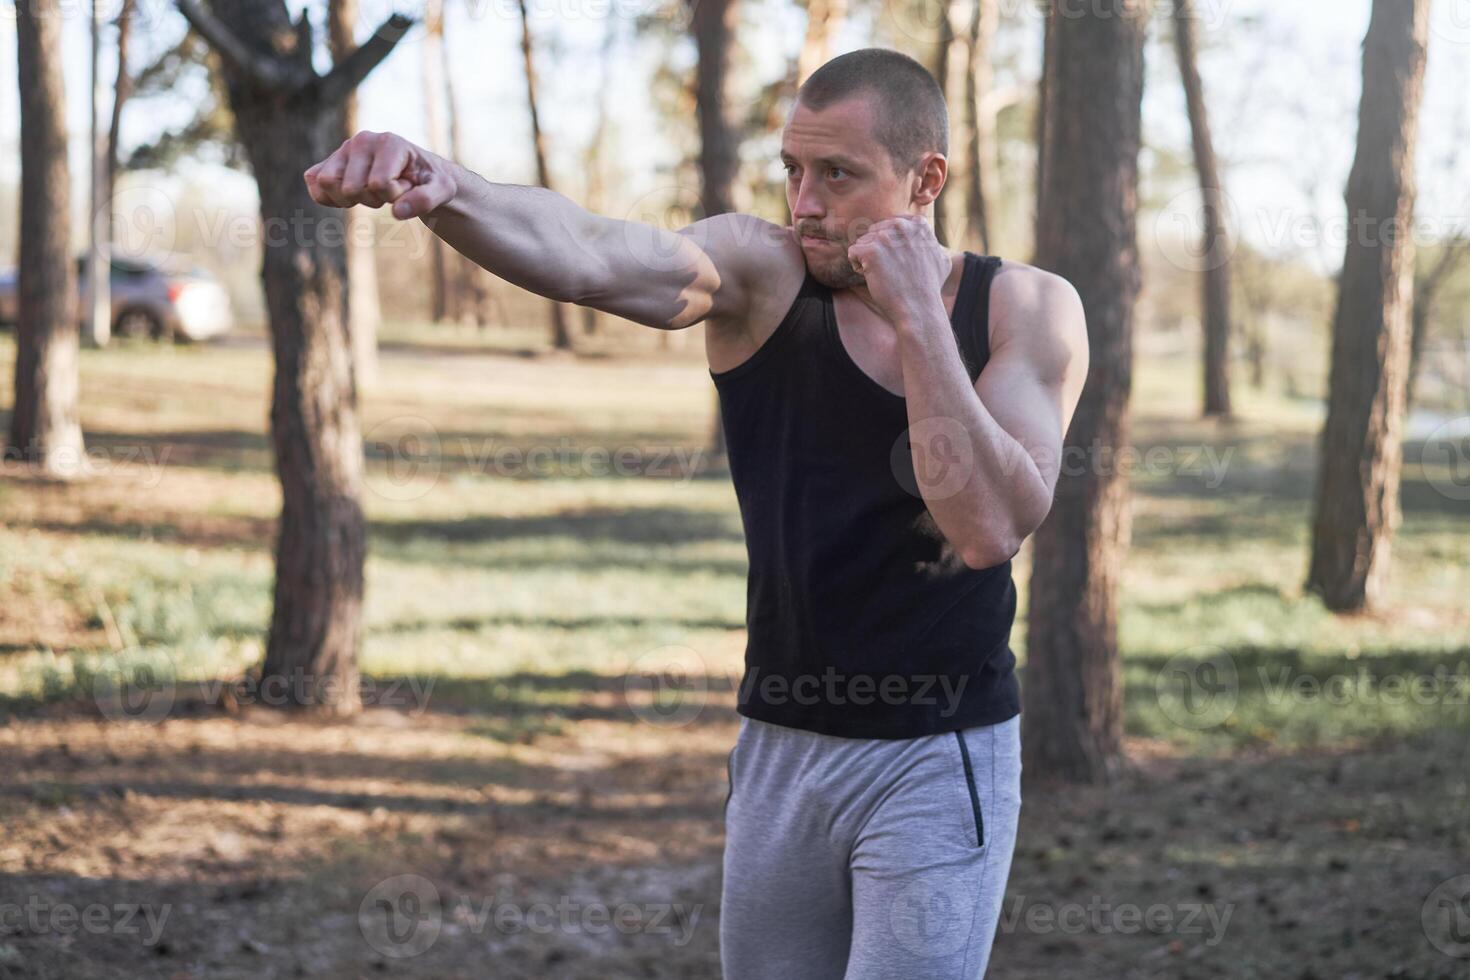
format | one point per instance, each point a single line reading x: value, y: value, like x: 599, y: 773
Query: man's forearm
x: 530, y: 236
x: 990, y: 493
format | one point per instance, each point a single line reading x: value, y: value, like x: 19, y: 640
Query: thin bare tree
x: 561, y: 335
x: 1215, y: 247
x: 1360, y: 451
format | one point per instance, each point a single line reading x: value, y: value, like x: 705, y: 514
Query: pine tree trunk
x: 714, y: 26
x: 1215, y: 249
x: 364, y: 311
x: 979, y: 124
x: 561, y: 335
x: 288, y: 119
x: 44, y: 429
x: 1073, y: 719
x: 943, y: 51
x: 122, y: 88
x: 1357, y: 495
x: 1043, y: 102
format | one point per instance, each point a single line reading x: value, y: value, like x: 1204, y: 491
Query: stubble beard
x: 836, y: 272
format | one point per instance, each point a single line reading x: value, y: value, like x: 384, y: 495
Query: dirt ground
x: 247, y: 843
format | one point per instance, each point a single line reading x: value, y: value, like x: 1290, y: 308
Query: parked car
x: 148, y: 300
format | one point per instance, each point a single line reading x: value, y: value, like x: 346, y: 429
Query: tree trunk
x: 943, y: 47
x: 592, y: 158
x: 1426, y: 291
x: 979, y: 124
x: 561, y: 335
x: 1215, y: 250
x: 442, y: 304
x: 1073, y: 717
x: 289, y: 118
x: 122, y: 88
x: 1043, y: 100
x: 823, y: 19
x: 1357, y: 499
x: 44, y: 428
x: 469, y: 284
x: 719, y: 161
x: 364, y: 311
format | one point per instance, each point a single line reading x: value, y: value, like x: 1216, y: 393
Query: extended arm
x: 545, y: 242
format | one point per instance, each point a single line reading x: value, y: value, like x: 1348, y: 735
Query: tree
x: 713, y: 24
x: 1086, y: 233
x: 1215, y: 247
x: 592, y: 160
x: 288, y: 117
x: 44, y: 428
x: 122, y: 88
x: 980, y: 124
x: 944, y: 45
x: 1359, y: 453
x: 561, y: 336
x: 364, y: 312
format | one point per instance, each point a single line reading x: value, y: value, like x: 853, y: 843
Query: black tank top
x: 861, y: 620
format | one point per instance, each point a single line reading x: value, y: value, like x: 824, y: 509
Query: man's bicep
x: 1034, y: 377
x: 674, y: 279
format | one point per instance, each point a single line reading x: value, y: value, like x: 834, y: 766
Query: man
x: 894, y: 416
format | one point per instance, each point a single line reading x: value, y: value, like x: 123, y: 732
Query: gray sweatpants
x: 867, y: 859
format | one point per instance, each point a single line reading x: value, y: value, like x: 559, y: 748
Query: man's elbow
x: 994, y: 550
x: 1000, y: 545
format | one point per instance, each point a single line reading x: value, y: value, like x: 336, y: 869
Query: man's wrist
x: 458, y: 177
x: 921, y: 315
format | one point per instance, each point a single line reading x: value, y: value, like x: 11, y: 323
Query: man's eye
x: 789, y: 168
x: 835, y: 170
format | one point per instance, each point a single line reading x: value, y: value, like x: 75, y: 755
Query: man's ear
x: 929, y: 177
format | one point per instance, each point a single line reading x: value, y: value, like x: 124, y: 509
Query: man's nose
x: 808, y: 203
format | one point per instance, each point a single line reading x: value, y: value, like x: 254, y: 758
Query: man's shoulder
x: 745, y: 236
x: 762, y: 259
x: 1036, y: 310
x: 1025, y: 288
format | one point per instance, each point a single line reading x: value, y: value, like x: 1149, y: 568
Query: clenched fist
x: 903, y: 264
x: 381, y: 168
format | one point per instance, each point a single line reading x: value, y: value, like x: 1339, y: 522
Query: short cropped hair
x: 911, y: 116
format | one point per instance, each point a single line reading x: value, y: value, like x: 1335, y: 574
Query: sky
x: 1282, y: 83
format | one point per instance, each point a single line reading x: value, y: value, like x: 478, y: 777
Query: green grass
x: 483, y: 570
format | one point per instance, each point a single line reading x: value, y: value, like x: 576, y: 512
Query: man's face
x: 839, y: 182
